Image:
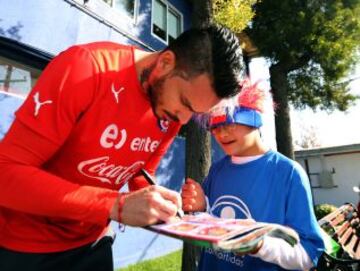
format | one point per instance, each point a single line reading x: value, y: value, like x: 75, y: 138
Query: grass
x: 170, y: 262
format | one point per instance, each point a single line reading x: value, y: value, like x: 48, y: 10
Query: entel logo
x: 112, y: 137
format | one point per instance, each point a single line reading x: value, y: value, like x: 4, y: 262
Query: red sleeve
x: 27, y: 188
x: 69, y: 82
x: 152, y: 164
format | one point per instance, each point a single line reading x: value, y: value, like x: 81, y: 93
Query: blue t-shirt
x: 270, y: 189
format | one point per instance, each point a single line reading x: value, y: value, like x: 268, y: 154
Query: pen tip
x: 180, y: 213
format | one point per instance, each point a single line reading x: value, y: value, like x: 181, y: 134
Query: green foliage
x: 170, y: 262
x: 315, y: 43
x: 307, y: 87
x: 235, y: 14
x: 321, y: 210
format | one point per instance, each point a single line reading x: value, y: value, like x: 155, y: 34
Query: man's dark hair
x: 214, y: 50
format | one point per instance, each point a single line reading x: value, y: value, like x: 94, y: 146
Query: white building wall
x: 346, y: 175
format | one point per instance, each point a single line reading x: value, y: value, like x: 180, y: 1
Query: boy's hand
x: 248, y: 222
x: 253, y: 251
x: 193, y: 197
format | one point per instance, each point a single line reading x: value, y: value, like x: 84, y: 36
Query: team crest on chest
x: 163, y: 125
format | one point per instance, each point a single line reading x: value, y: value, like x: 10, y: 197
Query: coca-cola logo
x: 100, y: 169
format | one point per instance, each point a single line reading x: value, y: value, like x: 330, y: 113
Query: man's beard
x: 154, y: 92
x: 152, y: 89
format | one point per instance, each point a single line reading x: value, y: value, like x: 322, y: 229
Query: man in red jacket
x: 98, y: 114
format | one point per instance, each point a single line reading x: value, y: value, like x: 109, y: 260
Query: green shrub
x: 322, y: 210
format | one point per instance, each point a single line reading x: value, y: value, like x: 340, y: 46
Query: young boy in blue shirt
x: 254, y: 182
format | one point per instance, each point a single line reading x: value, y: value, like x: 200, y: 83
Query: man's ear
x: 165, y: 63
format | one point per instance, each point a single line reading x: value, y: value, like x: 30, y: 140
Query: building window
x: 166, y: 21
x: 16, y: 82
x: 174, y: 28
x: 17, y: 78
x: 127, y: 7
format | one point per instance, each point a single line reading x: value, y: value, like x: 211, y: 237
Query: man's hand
x: 193, y: 196
x: 148, y: 206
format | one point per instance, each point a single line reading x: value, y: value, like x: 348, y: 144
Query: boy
x: 254, y: 182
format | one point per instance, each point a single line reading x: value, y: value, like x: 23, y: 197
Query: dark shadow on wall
x: 12, y: 32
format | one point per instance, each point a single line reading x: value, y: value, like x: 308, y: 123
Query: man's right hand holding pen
x: 146, y: 206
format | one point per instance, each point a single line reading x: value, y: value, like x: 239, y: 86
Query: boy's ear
x: 165, y: 63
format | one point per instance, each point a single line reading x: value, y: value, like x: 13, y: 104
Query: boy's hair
x: 245, y: 108
x: 215, y: 51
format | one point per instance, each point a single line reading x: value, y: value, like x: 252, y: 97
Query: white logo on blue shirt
x: 227, y: 206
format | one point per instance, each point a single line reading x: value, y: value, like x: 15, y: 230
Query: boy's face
x: 236, y: 139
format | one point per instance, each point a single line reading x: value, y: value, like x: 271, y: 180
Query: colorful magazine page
x: 238, y: 235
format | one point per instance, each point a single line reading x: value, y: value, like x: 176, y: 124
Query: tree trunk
x: 201, y: 13
x: 198, y: 160
x: 278, y: 81
x: 198, y: 152
x: 198, y: 141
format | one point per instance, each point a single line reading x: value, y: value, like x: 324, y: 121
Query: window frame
x: 23, y: 53
x: 174, y: 10
x: 18, y: 69
x: 23, y: 56
x: 125, y: 15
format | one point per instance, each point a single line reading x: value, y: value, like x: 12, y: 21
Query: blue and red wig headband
x: 246, y: 108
